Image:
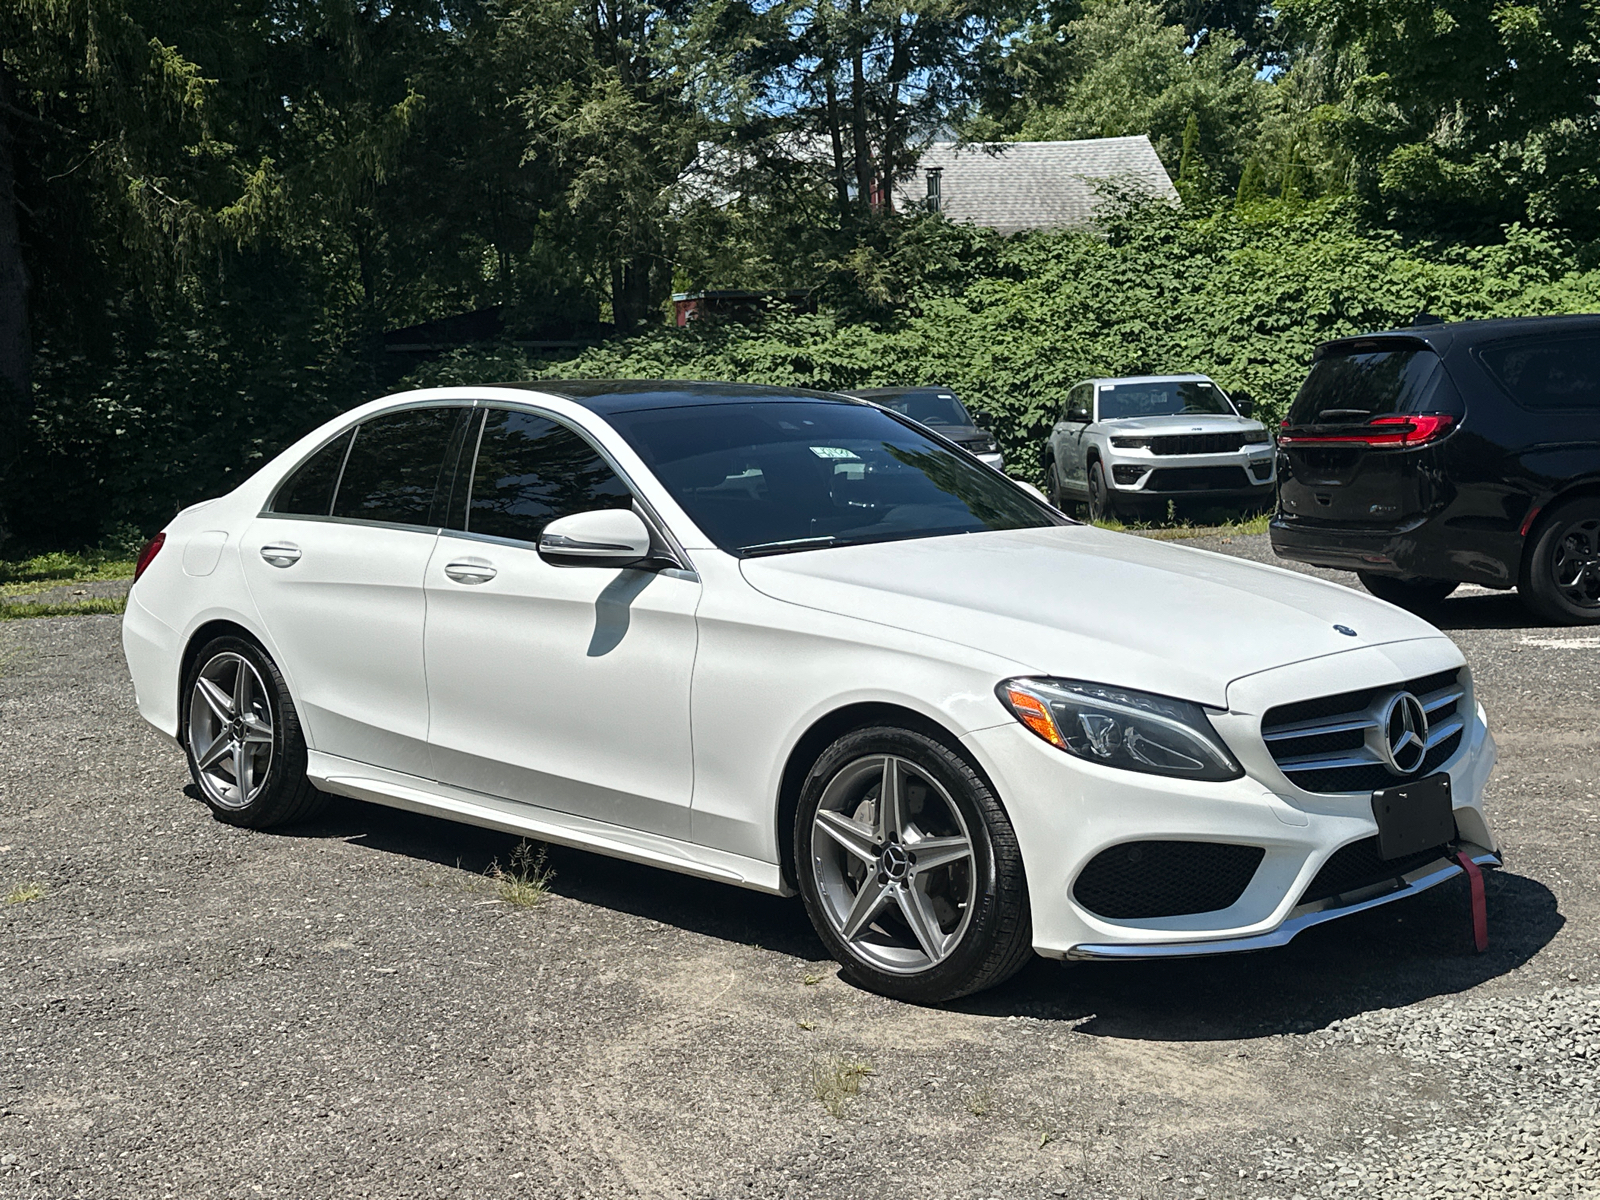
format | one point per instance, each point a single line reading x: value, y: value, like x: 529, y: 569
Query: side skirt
x: 361, y: 781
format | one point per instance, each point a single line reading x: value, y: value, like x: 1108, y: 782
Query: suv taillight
x: 148, y: 554
x: 1380, y: 431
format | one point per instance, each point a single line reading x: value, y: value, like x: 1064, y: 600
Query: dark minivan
x: 1447, y: 454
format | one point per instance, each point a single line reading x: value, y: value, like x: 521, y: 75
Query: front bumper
x: 1067, y: 812
x: 1236, y: 475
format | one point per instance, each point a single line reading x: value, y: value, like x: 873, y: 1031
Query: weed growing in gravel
x: 811, y: 980
x: 25, y: 892
x: 835, y: 1080
x: 526, y: 883
x: 981, y: 1103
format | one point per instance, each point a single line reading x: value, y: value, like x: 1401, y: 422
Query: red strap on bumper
x: 1480, y: 908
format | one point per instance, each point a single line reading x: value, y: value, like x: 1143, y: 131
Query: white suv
x: 1124, y: 447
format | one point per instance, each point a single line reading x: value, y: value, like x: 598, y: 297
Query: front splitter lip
x: 1419, y: 880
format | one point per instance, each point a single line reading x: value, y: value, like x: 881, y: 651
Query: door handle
x: 469, y: 571
x: 281, y: 554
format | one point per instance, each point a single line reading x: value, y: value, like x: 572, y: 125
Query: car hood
x: 1188, y: 423
x: 1085, y: 603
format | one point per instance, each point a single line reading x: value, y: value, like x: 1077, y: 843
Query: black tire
x: 1561, y: 574
x: 1101, y: 505
x: 991, y: 934
x: 1052, y: 486
x: 268, y: 732
x: 1412, y: 594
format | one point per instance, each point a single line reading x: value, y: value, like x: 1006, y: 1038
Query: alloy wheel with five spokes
x: 230, y: 730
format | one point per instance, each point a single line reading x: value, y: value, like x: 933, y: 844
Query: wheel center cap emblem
x: 1405, y: 729
x: 895, y: 861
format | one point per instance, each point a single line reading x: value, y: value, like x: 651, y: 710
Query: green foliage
x: 1244, y: 295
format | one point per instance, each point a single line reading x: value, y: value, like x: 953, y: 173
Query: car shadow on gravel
x: 1388, y: 957
x: 1500, y: 610
x: 697, y: 905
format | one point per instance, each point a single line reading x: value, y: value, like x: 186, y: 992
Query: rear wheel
x: 910, y: 869
x: 243, y: 740
x: 1415, y: 594
x: 1561, y: 581
x: 1101, y: 505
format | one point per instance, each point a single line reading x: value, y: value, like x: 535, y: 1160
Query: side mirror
x: 1244, y: 402
x: 606, y: 537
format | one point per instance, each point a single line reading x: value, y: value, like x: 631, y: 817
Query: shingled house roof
x: 1012, y: 186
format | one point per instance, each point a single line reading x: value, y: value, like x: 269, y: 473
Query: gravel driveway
x: 352, y: 1010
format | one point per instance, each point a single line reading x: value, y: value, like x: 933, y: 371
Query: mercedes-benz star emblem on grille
x: 1405, y: 734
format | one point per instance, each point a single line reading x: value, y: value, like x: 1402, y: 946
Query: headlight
x: 1131, y: 443
x: 1117, y: 727
x: 1255, y: 437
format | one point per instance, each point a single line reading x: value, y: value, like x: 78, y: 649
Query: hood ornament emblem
x: 1345, y: 629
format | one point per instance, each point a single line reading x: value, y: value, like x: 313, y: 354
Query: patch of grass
x: 1173, y: 532
x: 982, y: 1102
x: 835, y: 1080
x: 25, y: 893
x: 20, y: 610
x: 526, y: 882
x: 60, y: 568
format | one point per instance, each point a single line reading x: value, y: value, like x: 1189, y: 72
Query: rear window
x: 1548, y: 373
x: 1352, y: 387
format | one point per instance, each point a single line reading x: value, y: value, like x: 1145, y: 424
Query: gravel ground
x: 352, y: 1010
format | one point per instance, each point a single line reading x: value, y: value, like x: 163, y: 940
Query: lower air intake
x: 1165, y: 879
x: 1357, y: 866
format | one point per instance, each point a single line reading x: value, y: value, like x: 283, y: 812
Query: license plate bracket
x: 1414, y: 816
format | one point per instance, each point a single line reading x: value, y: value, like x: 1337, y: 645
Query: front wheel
x: 1561, y: 581
x: 1101, y: 506
x: 910, y: 869
x: 1414, y: 595
x: 243, y: 740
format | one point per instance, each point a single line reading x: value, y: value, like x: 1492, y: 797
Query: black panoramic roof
x: 924, y: 390
x: 1449, y: 335
x: 631, y: 395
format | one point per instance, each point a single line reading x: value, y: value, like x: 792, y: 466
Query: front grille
x: 1197, y: 443
x: 1197, y: 479
x: 1165, y: 879
x: 1328, y: 744
x: 1358, y: 866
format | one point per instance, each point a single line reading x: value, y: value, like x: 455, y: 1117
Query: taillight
x: 1407, y: 432
x: 148, y: 554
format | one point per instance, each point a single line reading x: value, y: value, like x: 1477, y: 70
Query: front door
x: 1069, y: 439
x: 564, y: 687
x: 336, y: 567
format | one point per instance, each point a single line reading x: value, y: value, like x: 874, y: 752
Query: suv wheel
x: 909, y: 868
x: 1561, y: 581
x: 1053, y: 489
x: 243, y: 739
x: 1101, y: 506
x: 1412, y: 593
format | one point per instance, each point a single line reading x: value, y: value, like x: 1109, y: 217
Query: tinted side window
x: 531, y: 470
x: 396, y: 466
x: 1551, y: 373
x: 310, y: 489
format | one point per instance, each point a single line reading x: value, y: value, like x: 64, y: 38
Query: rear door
x: 564, y: 687
x: 336, y: 568
x: 1359, y: 442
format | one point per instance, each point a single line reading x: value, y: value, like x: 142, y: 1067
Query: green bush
x: 1243, y: 294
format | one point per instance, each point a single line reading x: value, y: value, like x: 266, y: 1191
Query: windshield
x: 1349, y: 389
x: 1162, y: 398
x: 777, y: 476
x: 930, y: 408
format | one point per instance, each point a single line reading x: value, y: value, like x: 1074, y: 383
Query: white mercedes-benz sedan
x: 797, y: 643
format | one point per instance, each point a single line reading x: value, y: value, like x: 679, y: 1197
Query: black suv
x: 940, y: 410
x: 1447, y: 454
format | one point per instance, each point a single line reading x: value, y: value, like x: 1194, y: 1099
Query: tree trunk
x: 841, y: 189
x: 16, y: 395
x: 858, y: 105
